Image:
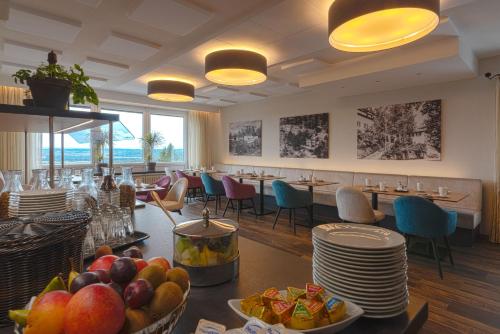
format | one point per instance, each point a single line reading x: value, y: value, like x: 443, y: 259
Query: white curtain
x: 199, y: 147
x: 12, y: 143
x: 495, y: 223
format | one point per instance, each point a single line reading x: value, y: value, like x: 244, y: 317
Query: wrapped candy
x: 335, y: 308
x: 270, y: 295
x: 248, y: 303
x: 314, y: 291
x: 301, y: 317
x: 282, y: 311
x: 295, y: 293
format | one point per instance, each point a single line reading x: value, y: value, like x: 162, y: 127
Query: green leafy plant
x: 150, y: 141
x: 81, y: 90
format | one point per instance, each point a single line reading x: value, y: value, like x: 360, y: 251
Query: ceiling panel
x: 220, y: 102
x: 247, y: 97
x: 30, y: 54
x: 43, y: 24
x: 174, y: 16
x: 92, y: 3
x: 284, y: 89
x: 303, y: 66
x: 217, y: 91
x: 97, y: 82
x: 104, y: 67
x: 200, y: 99
x: 11, y: 68
x: 128, y: 46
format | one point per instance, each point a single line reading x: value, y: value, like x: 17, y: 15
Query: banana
x: 72, y: 275
x: 57, y: 283
x: 19, y: 316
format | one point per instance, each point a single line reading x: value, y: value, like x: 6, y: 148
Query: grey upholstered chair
x: 354, y: 207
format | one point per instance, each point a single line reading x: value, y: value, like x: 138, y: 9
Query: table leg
x: 262, y: 211
x: 311, y: 190
x: 375, y: 201
x: 241, y: 180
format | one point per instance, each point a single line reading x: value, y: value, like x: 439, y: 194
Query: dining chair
x: 238, y: 192
x: 163, y: 182
x: 213, y: 188
x: 417, y: 216
x: 194, y: 184
x: 287, y: 197
x: 174, y: 201
x: 354, y: 207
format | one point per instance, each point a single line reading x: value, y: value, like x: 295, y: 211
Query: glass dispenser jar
x: 108, y: 191
x: 86, y: 194
x: 66, y: 183
x: 39, y: 180
x: 12, y: 184
x: 207, y: 249
x: 127, y: 189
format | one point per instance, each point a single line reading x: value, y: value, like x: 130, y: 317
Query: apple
x: 161, y: 261
x: 104, y: 263
x: 95, y: 309
x: 138, y: 293
x: 140, y: 264
x: 47, y: 315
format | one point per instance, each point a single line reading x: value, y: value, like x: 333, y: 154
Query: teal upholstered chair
x: 213, y: 188
x: 287, y: 197
x: 417, y: 216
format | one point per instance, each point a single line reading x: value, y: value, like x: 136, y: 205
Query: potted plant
x: 51, y: 84
x: 150, y: 141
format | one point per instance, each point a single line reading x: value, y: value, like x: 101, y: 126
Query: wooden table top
x: 208, y: 171
x: 143, y: 190
x: 261, y: 267
x: 257, y: 177
x: 432, y: 195
x: 313, y: 184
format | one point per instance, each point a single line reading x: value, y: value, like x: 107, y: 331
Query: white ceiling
x: 123, y: 44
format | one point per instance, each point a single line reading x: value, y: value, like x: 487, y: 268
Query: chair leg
x: 276, y: 218
x: 232, y: 206
x: 448, y: 248
x: 216, y: 203
x: 436, y: 256
x: 238, y: 209
x: 206, y: 201
x: 179, y: 212
x: 289, y: 217
x: 253, y: 207
x: 227, y: 205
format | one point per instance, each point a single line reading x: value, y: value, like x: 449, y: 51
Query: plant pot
x: 50, y: 92
x: 99, y: 166
x: 151, y: 167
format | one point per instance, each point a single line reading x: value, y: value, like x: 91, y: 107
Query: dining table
x: 195, y: 172
x: 311, y: 184
x: 143, y: 190
x: 452, y: 197
x: 261, y: 211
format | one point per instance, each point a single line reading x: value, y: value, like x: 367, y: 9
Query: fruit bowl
x: 165, y: 325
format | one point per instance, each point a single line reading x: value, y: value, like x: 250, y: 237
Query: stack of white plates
x: 26, y: 203
x: 363, y: 264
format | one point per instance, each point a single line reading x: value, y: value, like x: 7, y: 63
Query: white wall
x: 468, y: 131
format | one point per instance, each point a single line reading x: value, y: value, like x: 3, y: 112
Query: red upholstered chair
x: 194, y: 184
x: 163, y: 182
x: 238, y: 192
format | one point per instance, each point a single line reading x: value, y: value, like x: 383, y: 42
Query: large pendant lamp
x: 236, y: 67
x: 170, y: 91
x: 373, y: 25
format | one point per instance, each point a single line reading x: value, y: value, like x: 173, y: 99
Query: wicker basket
x: 34, y: 250
x: 165, y: 325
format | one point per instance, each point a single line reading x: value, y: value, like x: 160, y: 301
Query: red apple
x: 95, y: 309
x: 140, y: 264
x: 161, y: 261
x: 47, y: 315
x: 104, y: 263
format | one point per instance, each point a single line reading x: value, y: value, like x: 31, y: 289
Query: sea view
x: 120, y: 155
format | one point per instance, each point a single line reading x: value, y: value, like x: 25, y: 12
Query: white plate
x: 363, y: 284
x: 352, y: 314
x: 29, y: 193
x: 375, y: 268
x: 368, y: 288
x: 359, y: 276
x: 351, y: 250
x: 358, y: 263
x: 358, y: 236
x: 355, y: 257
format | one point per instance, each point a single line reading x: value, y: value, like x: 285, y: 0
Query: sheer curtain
x: 12, y: 143
x: 495, y: 224
x: 199, y: 148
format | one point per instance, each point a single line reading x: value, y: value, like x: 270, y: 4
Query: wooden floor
x: 466, y: 301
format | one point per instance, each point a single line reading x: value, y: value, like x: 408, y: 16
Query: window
x: 75, y: 152
x: 127, y: 151
x: 172, y: 130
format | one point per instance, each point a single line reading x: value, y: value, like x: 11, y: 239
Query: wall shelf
x: 14, y: 118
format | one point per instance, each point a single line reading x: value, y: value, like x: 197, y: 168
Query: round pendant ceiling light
x: 373, y: 25
x: 236, y: 67
x: 170, y: 91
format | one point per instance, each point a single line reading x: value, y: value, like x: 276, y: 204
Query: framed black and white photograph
x: 245, y: 138
x: 304, y: 136
x: 409, y: 131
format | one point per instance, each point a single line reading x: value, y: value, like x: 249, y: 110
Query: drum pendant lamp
x: 374, y: 25
x: 236, y: 67
x: 170, y: 91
